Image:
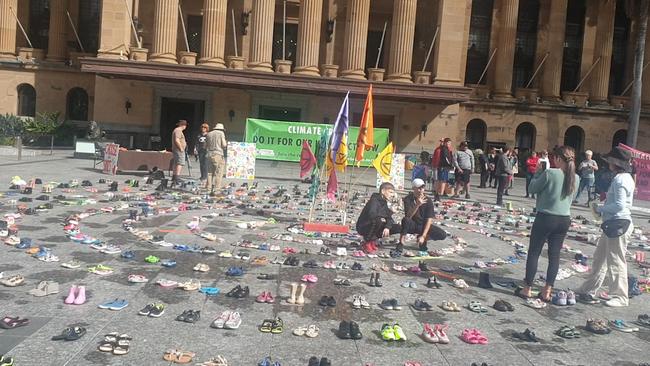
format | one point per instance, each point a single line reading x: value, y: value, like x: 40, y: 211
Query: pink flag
x: 307, y: 159
x: 332, y: 185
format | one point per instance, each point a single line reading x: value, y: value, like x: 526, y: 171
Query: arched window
x: 77, y: 105
x: 575, y: 137
x: 478, y: 42
x: 619, y: 137
x: 476, y: 133
x: 525, y: 136
x: 525, y: 43
x: 26, y: 100
x: 89, y: 12
x: 39, y: 23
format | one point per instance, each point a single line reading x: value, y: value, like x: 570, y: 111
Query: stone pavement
x: 31, y: 345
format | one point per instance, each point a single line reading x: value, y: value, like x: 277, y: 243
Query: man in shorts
x: 464, y: 166
x: 178, y: 149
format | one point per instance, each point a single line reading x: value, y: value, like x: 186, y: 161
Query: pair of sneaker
x: 392, y: 332
x: 564, y: 298
x: 436, y: 333
x: 227, y: 320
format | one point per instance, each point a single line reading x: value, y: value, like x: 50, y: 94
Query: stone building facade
x: 527, y: 73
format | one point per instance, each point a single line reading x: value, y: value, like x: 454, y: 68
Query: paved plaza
x: 247, y: 345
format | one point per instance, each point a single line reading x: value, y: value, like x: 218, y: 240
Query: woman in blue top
x: 609, y: 259
x: 555, y: 188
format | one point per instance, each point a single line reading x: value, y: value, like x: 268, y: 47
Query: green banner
x: 276, y: 140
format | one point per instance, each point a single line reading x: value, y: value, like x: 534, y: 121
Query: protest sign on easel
x: 111, y: 156
x: 241, y: 161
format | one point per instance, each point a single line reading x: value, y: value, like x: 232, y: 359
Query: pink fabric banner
x: 641, y: 162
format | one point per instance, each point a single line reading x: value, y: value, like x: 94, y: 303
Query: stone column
x: 8, y: 29
x: 263, y: 14
x: 604, y: 39
x: 450, y: 56
x: 505, y: 56
x: 213, y: 40
x: 165, y: 31
x: 115, y: 34
x: 309, y: 27
x: 401, y: 40
x: 552, y: 32
x: 356, y: 37
x: 56, y: 45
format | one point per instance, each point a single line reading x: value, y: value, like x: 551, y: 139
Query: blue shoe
x: 168, y: 263
x: 129, y: 254
x: 265, y: 362
x: 42, y: 252
x: 182, y: 248
x: 235, y: 271
x: 209, y: 291
x: 118, y: 305
x: 24, y: 243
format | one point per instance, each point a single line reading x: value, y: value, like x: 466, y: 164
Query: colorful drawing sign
x: 276, y: 140
x: 111, y: 155
x: 396, y: 172
x: 240, y: 163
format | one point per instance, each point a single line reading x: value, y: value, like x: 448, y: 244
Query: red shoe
x: 369, y: 246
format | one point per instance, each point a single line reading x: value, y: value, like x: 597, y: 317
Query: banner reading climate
x: 276, y: 140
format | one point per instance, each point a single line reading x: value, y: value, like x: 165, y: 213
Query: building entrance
x: 171, y: 111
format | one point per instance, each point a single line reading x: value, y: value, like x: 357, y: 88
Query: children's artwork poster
x: 641, y: 161
x: 240, y: 163
x: 111, y: 155
x: 396, y: 172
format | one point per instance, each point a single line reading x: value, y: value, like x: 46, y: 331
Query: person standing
x: 531, y: 169
x: 435, y: 166
x: 555, y: 188
x: 609, y: 258
x: 464, y: 165
x: 503, y: 172
x: 215, y: 145
x: 200, y: 151
x: 492, y: 165
x: 586, y: 170
x: 514, y: 162
x: 483, y: 166
x: 179, y: 146
x: 445, y: 164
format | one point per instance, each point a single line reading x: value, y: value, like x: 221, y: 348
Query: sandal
x: 527, y: 335
x: 277, y: 326
x: 312, y: 331
x: 476, y: 307
x: 267, y: 326
x: 597, y: 326
x: 535, y: 303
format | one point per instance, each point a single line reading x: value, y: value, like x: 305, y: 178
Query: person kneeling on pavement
x: 376, y: 218
x: 418, y: 218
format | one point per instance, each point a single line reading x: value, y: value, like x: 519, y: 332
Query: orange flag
x: 365, y: 140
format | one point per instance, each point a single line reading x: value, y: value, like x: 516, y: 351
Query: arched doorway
x: 476, y: 133
x: 619, y: 137
x: 575, y: 137
x: 26, y: 100
x: 525, y: 137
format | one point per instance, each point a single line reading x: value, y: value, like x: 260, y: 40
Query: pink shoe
x: 71, y: 295
x: 261, y: 297
x: 269, y: 298
x: 312, y: 278
x: 81, y: 296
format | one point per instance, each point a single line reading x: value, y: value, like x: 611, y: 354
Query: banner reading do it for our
x: 277, y: 140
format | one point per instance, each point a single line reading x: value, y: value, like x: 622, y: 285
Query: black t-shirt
x: 423, y: 213
x: 200, y: 143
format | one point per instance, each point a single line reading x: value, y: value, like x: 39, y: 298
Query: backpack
x: 419, y: 171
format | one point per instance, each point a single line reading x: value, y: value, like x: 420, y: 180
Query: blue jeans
x: 585, y: 183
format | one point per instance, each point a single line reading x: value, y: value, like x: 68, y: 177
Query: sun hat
x: 219, y: 126
x: 619, y: 157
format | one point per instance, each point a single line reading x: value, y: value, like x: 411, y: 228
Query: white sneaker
x: 341, y: 251
x: 356, y: 302
x: 364, y: 303
x: 616, y: 302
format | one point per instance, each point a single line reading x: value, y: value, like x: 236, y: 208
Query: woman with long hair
x: 555, y: 189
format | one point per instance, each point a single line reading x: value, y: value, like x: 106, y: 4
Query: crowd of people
x: 556, y: 182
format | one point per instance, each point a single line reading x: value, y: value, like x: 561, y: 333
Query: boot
x: 71, y: 295
x: 113, y: 187
x: 81, y: 295
x: 163, y: 184
x: 292, y: 298
x: 372, y: 280
x: 301, y: 299
x: 484, y: 280
x: 377, y: 283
